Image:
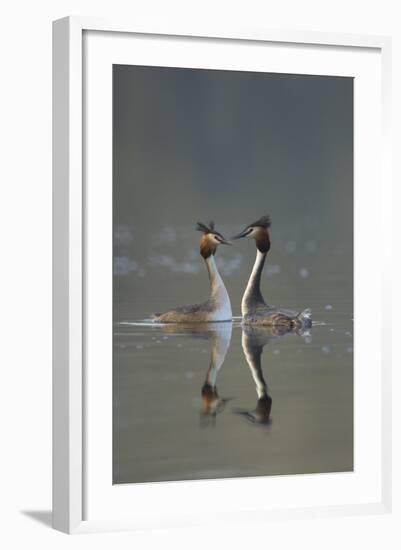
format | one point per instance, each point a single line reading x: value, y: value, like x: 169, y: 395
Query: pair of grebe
x: 255, y: 311
x: 253, y: 341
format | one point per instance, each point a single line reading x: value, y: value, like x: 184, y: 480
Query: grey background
x: 230, y: 146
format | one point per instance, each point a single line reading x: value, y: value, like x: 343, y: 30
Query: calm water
x: 186, y: 401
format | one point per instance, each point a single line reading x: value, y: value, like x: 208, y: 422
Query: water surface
x: 193, y: 403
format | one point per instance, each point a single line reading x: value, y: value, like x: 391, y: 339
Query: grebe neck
x: 216, y: 282
x: 218, y: 293
x: 252, y: 295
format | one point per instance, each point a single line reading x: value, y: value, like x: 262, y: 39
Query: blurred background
x: 230, y: 146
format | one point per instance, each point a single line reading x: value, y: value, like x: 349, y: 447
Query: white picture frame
x: 70, y: 256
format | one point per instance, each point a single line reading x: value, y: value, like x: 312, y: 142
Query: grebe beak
x: 243, y: 234
x: 222, y: 240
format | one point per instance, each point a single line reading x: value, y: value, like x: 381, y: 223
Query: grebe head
x: 259, y: 231
x: 210, y: 239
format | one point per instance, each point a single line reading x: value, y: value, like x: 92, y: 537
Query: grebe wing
x: 192, y: 308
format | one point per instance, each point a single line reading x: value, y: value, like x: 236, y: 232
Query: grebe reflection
x: 219, y: 335
x: 212, y: 403
x: 254, y: 339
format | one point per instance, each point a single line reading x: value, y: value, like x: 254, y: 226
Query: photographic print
x: 232, y: 274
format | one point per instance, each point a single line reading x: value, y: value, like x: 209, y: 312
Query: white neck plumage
x: 252, y: 296
x: 219, y: 298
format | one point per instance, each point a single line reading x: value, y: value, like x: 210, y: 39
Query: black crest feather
x: 264, y: 221
x: 205, y: 228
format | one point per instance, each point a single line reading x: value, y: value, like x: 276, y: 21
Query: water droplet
x: 290, y: 247
x: 328, y: 307
x: 272, y: 269
x: 311, y: 247
x: 326, y: 349
x: 304, y: 273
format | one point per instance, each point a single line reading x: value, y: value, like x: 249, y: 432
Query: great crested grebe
x: 218, y: 306
x: 254, y: 308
